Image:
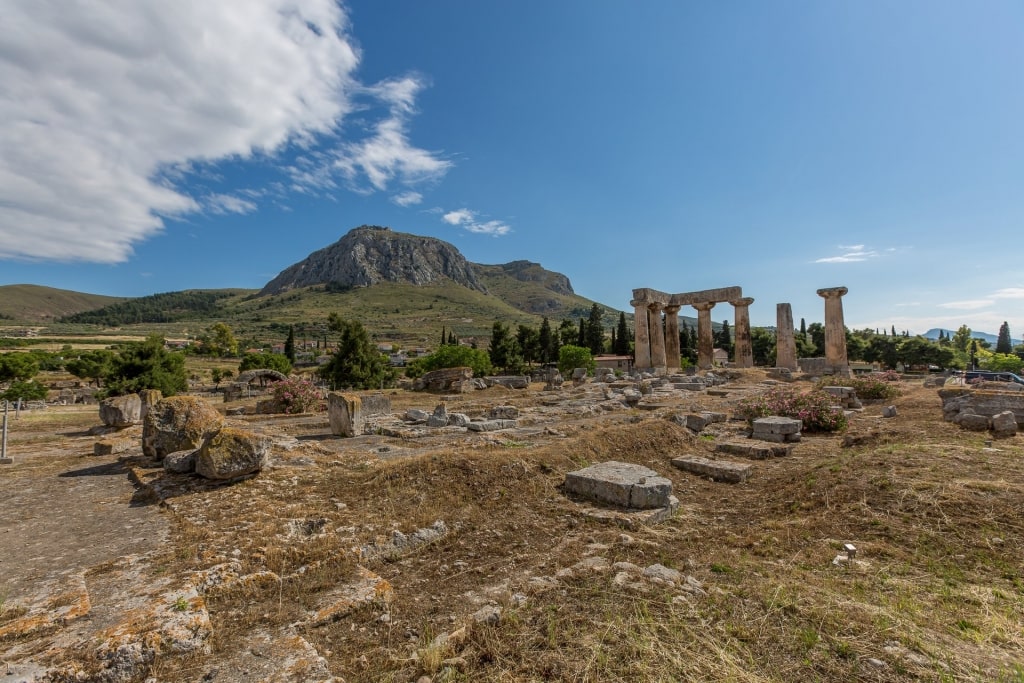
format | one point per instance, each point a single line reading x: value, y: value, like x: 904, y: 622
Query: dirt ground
x: 111, y: 569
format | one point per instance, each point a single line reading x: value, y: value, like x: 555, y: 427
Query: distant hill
x: 168, y: 307
x: 38, y: 304
x: 990, y: 338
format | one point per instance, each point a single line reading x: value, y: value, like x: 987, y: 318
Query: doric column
x: 657, y: 336
x: 744, y: 355
x: 641, y: 337
x: 705, y: 341
x: 785, y: 343
x: 672, y: 337
x: 835, y: 328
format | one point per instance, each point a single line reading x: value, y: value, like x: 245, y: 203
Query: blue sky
x: 778, y: 146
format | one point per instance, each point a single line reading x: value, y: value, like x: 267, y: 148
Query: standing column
x: 785, y: 343
x: 657, y: 336
x: 672, y: 337
x: 641, y: 338
x: 835, y: 328
x: 744, y: 355
x: 705, y: 341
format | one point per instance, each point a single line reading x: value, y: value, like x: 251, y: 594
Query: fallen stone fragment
x: 663, y: 573
x: 232, y: 453
x: 490, y: 425
x: 755, y: 451
x: 623, y: 484
x: 178, y: 423
x: 180, y: 462
x: 889, y: 411
x: 112, y: 446
x: 719, y: 470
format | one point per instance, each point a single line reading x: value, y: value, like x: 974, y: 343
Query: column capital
x: 638, y: 303
x: 655, y: 306
x: 744, y: 301
x: 832, y: 292
x: 671, y: 308
x: 704, y: 305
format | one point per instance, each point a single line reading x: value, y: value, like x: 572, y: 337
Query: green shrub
x: 571, y: 357
x: 815, y: 408
x: 450, y: 356
x: 30, y: 390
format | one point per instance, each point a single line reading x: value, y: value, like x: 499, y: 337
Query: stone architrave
x: 835, y: 329
x: 672, y: 337
x: 744, y: 355
x: 705, y: 341
x: 785, y: 342
x: 657, y: 336
x: 641, y: 335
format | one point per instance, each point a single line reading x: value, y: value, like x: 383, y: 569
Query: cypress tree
x: 595, y: 331
x: 1003, y: 343
x: 289, y: 344
x: 581, y: 338
x: 622, y: 336
x: 443, y: 337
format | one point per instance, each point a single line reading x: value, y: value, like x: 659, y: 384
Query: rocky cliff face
x: 370, y: 254
x: 528, y: 271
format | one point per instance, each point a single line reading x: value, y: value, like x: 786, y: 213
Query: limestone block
x: 623, y: 484
x: 889, y: 411
x: 972, y: 422
x: 148, y: 398
x: 756, y: 451
x: 416, y: 415
x: 121, y: 411
x: 777, y: 425
x: 579, y: 374
x: 458, y: 419
x: 181, y: 462
x: 440, y: 416
x: 376, y: 404
x: 232, y: 453
x: 504, y: 412
x: 269, y: 406
x: 719, y: 470
x: 509, y: 381
x: 695, y: 422
x: 112, y: 446
x: 490, y: 425
x: 178, y: 423
x: 1004, y: 423
x: 345, y: 413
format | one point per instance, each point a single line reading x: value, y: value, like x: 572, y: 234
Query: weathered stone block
x: 376, y: 404
x: 443, y: 379
x: 504, y: 412
x: 178, y: 423
x: 458, y: 419
x: 1004, y: 423
x: 439, y: 418
x: 777, y: 425
x: 148, y: 398
x: 972, y: 422
x: 181, y: 462
x: 889, y: 411
x: 345, y: 413
x: 756, y: 451
x: 121, y: 411
x: 490, y: 425
x: 509, y: 381
x: 623, y: 484
x: 719, y: 470
x: 112, y: 446
x: 232, y: 453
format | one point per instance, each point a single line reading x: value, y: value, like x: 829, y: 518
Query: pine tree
x: 595, y: 331
x: 622, y: 337
x: 1003, y: 343
x: 289, y: 344
x: 581, y: 337
x: 803, y: 328
x: 544, y: 338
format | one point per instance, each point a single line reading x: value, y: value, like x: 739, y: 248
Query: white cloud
x: 1009, y: 293
x: 109, y: 108
x: 225, y: 203
x: 458, y: 217
x: 852, y: 254
x: 407, y: 198
x: 467, y: 220
x: 967, y: 304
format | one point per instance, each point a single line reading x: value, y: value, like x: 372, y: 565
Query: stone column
x: 705, y: 340
x: 785, y: 343
x: 657, y: 336
x: 744, y: 356
x: 835, y: 329
x: 672, y: 337
x: 641, y: 338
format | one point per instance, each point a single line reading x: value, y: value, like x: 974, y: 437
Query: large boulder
x: 121, y: 411
x: 232, y: 453
x: 149, y: 398
x: 178, y: 423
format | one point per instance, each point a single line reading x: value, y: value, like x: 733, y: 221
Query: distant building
x: 622, y: 363
x: 719, y: 356
x: 385, y: 347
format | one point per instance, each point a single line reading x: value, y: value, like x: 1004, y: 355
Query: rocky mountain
x: 370, y: 255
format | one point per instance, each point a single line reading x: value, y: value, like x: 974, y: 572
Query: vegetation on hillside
x: 155, y: 308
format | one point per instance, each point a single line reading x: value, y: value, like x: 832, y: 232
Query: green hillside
x: 34, y: 304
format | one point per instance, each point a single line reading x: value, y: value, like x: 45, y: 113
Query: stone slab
x: 755, y: 451
x: 619, y: 483
x: 491, y: 425
x: 719, y: 470
x: 633, y: 519
x: 777, y: 425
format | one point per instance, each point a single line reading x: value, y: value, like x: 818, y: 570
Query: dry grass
x: 937, y: 519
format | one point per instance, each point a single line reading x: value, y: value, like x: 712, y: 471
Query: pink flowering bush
x: 815, y: 408
x: 296, y: 395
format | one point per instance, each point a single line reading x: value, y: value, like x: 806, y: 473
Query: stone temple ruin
x: 656, y: 323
